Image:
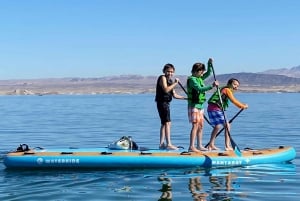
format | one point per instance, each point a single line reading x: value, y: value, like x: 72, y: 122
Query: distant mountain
x: 292, y: 72
x: 259, y: 79
x: 279, y: 80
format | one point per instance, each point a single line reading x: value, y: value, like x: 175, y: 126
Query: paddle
x: 230, y: 121
x: 233, y: 144
x: 206, y: 119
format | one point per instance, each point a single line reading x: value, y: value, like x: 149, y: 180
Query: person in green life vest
x: 164, y: 93
x: 214, y: 110
x: 196, y: 98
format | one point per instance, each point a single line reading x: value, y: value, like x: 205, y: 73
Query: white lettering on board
x: 226, y: 162
x: 58, y: 161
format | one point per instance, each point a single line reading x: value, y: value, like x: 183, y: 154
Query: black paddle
x: 206, y: 119
x: 233, y: 144
x: 230, y: 121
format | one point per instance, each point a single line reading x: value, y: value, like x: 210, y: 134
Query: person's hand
x: 215, y: 83
x: 245, y: 106
x: 210, y: 61
x: 176, y: 80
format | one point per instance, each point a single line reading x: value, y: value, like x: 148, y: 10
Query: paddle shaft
x: 233, y: 144
x: 182, y: 88
x: 237, y: 114
x: 206, y: 119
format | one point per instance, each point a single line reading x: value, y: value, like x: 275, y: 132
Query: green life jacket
x: 194, y: 96
x: 214, y: 99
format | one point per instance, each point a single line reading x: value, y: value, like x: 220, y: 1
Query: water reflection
x: 221, y: 184
x: 219, y: 187
x: 166, y: 189
x: 196, y: 189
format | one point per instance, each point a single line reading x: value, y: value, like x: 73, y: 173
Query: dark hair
x: 197, y: 67
x: 168, y: 65
x: 230, y: 81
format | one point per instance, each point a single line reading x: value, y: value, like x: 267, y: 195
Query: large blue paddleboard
x: 104, y: 158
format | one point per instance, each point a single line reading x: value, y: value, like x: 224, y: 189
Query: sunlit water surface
x: 95, y: 121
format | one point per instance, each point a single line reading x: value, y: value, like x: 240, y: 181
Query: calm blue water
x: 96, y: 121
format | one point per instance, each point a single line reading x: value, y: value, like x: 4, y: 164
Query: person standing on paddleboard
x: 196, y: 98
x: 164, y: 93
x: 214, y: 110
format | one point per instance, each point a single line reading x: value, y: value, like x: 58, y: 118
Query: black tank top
x: 162, y: 96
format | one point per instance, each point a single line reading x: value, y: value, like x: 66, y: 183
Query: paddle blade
x: 236, y: 149
x: 237, y: 152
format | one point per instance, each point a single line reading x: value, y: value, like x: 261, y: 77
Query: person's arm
x: 208, y: 72
x: 231, y: 97
x: 177, y: 96
x: 194, y: 84
x: 165, y: 86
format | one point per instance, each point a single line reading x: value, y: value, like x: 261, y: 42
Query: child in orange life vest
x: 215, y: 113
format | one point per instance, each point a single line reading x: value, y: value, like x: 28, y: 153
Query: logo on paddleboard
x: 40, y: 161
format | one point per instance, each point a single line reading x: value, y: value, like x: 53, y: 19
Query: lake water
x: 97, y: 120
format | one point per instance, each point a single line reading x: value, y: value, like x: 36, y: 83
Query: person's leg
x: 165, y: 133
x: 200, y: 121
x: 193, y: 134
x: 192, y: 113
x: 162, y: 136
x: 200, y: 137
x: 168, y: 136
x: 227, y: 138
x: 211, y: 144
x: 167, y: 119
x: 217, y: 119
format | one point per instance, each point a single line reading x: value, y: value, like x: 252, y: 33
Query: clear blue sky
x: 95, y: 38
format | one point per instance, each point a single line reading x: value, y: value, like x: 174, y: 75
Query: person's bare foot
x: 211, y: 148
x: 171, y: 147
x: 193, y: 149
x: 201, y: 148
x: 228, y: 149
